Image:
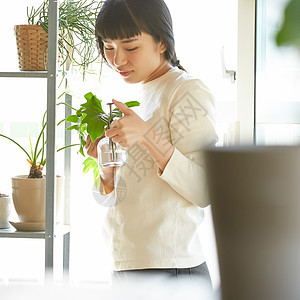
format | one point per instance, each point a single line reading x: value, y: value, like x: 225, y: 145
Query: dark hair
x: 123, y: 19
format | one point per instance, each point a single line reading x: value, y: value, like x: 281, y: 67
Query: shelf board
x: 25, y: 74
x: 13, y: 233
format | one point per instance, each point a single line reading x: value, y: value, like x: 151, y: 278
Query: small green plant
x: 91, y: 119
x: 36, y: 156
x: 36, y: 152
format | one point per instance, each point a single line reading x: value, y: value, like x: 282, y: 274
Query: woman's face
x: 137, y: 59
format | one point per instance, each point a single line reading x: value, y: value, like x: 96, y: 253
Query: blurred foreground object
x: 255, y: 200
x: 289, y: 33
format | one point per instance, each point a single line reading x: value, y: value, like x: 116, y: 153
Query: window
x: 277, y: 80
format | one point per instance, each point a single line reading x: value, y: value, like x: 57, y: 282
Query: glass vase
x: 111, y: 154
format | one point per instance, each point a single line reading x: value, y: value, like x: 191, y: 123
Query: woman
x: 159, y: 196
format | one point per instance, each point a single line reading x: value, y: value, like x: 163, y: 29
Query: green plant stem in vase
x: 112, y: 144
x: 110, y: 154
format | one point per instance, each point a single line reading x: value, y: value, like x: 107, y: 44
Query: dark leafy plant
x: 289, y: 33
x: 91, y: 119
x: 76, y: 29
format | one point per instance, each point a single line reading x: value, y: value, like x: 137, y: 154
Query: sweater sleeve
x: 107, y: 200
x: 115, y: 196
x: 192, y: 128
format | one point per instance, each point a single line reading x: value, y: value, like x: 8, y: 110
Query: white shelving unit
x: 51, y: 229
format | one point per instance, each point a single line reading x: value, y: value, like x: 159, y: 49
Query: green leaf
x: 43, y: 162
x: 92, y: 108
x: 96, y: 171
x: 82, y: 144
x: 30, y: 143
x: 72, y: 118
x: 81, y: 151
x: 93, y: 104
x: 89, y: 96
x: 2, y: 135
x: 132, y: 103
x: 95, y: 127
x: 89, y: 164
x: 79, y: 113
x: 82, y: 128
x: 73, y: 127
x: 96, y: 178
x: 116, y: 113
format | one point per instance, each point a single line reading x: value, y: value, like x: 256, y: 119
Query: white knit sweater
x: 154, y: 218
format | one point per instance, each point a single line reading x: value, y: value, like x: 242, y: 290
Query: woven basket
x: 32, y: 46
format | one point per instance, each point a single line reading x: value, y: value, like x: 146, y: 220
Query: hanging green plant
x: 76, y: 39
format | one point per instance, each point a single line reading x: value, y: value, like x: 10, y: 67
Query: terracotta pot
x: 29, y: 197
x: 5, y: 208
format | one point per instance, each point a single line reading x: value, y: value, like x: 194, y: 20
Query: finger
x: 88, y: 141
x: 114, y: 124
x: 117, y: 139
x: 93, y: 153
x: 123, y: 144
x: 92, y: 150
x: 96, y: 141
x: 110, y: 133
x: 92, y: 146
x: 123, y: 107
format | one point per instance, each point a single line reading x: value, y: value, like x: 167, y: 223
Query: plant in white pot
x: 29, y: 191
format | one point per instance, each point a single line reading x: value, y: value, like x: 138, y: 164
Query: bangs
x: 117, y: 22
x: 124, y: 19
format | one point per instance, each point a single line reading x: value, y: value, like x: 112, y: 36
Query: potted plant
x: 91, y: 119
x: 29, y: 191
x: 76, y: 35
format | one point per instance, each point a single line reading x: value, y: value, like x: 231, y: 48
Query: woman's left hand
x: 128, y: 130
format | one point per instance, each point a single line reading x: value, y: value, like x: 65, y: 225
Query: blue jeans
x: 199, y: 272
